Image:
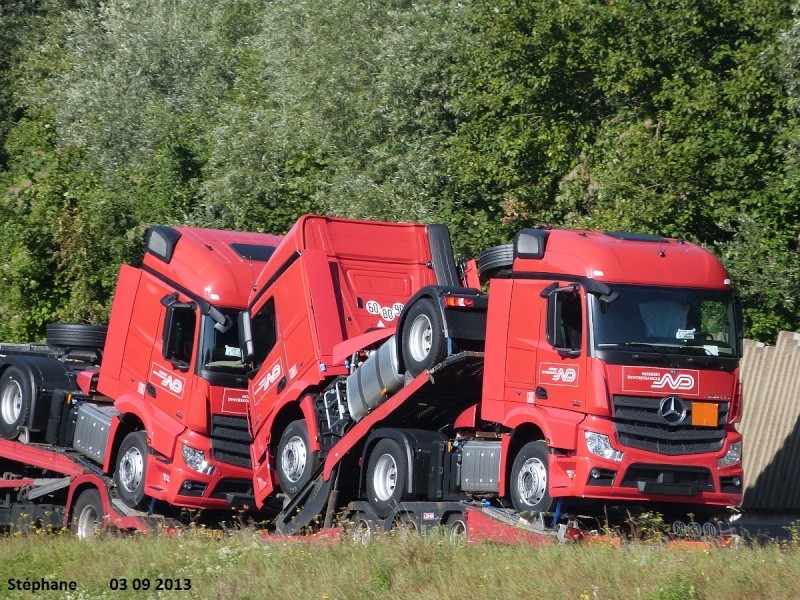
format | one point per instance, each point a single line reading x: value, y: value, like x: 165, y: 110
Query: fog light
x: 736, y: 482
x: 599, y: 445
x: 732, y: 456
x: 196, y: 460
x: 595, y: 473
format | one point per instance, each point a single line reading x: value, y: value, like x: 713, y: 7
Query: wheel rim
x: 458, y: 531
x: 404, y: 527
x: 385, y: 477
x: 293, y: 459
x: 420, y: 338
x: 11, y: 403
x: 532, y: 481
x: 362, y: 533
x: 87, y: 522
x: 131, y: 469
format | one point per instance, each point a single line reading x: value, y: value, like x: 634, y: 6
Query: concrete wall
x: 771, y: 424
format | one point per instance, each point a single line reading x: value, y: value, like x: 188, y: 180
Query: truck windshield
x: 668, y: 320
x: 219, y: 351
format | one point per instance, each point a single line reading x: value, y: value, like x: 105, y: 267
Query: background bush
x: 670, y: 117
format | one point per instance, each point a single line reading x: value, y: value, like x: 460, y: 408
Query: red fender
x: 162, y: 430
x: 560, y: 427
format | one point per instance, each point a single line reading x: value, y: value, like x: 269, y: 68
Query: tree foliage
x: 666, y: 116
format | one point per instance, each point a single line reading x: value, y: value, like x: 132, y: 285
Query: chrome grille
x: 639, y: 425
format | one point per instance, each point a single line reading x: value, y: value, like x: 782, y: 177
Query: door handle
x: 151, y: 390
x: 541, y: 393
x: 282, y: 384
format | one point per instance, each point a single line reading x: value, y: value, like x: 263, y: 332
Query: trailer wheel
x: 362, y: 529
x: 295, y: 460
x: 131, y: 469
x: 15, y: 402
x: 456, y: 528
x: 76, y: 335
x: 387, y: 474
x: 423, y: 337
x: 405, y: 527
x: 530, y: 480
x: 87, y: 514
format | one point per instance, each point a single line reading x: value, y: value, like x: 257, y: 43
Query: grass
x: 244, y: 566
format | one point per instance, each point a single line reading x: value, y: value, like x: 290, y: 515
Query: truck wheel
x: 15, y: 402
x: 387, y: 475
x: 529, y: 480
x: 405, y: 527
x: 295, y: 460
x: 423, y: 337
x: 87, y: 514
x: 456, y: 528
x: 131, y: 469
x: 361, y: 529
x: 76, y: 335
x: 495, y: 262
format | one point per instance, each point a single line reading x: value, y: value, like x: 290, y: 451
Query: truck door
x: 269, y: 360
x: 169, y: 379
x: 561, y: 369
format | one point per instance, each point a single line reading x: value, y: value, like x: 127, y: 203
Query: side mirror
x: 246, y: 337
x: 221, y: 322
x: 738, y: 313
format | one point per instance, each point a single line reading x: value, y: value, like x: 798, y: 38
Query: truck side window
x: 570, y: 321
x: 181, y: 335
x: 265, y: 332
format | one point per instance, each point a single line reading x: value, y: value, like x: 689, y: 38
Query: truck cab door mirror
x: 739, y: 316
x: 565, y: 320
x: 246, y: 337
x: 222, y: 323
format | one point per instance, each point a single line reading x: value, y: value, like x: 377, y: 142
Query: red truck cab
x: 333, y: 289
x: 620, y: 353
x: 172, y: 367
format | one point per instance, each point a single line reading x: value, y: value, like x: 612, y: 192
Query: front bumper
x: 173, y: 481
x: 646, y: 476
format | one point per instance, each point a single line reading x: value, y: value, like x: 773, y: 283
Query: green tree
x: 667, y: 116
x: 63, y: 239
x: 343, y: 119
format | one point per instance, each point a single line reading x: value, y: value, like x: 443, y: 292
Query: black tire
x: 361, y: 529
x: 131, y: 469
x: 87, y: 515
x: 495, y: 262
x: 423, y: 337
x: 387, y: 477
x: 76, y: 335
x: 405, y: 527
x: 16, y: 396
x: 456, y: 528
x: 294, y: 460
x: 530, y: 481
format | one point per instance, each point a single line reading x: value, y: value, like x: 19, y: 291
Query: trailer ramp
x: 434, y: 398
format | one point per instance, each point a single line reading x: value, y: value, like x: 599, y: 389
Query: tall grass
x: 244, y: 566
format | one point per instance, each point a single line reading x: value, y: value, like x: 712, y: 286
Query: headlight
x: 732, y: 456
x: 196, y: 460
x: 599, y: 445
